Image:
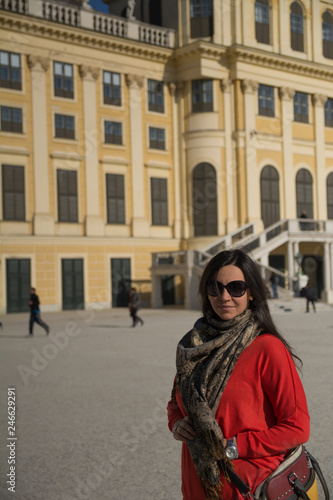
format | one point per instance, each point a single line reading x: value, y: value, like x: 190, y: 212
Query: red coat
x: 264, y: 406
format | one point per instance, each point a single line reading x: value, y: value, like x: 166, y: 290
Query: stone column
x: 327, y: 294
x: 43, y: 222
x: 176, y: 171
x: 94, y: 224
x: 185, y: 184
x: 289, y: 194
x: 249, y: 88
x: 230, y: 165
x: 140, y: 224
x: 318, y: 101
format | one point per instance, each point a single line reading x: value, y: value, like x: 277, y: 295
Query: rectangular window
x: 115, y: 196
x: 64, y: 127
x: 159, y: 201
x: 67, y: 195
x: 11, y: 119
x: 156, y: 138
x: 329, y: 113
x: 111, y: 88
x: 262, y: 21
x: 201, y: 12
x: 301, y: 111
x: 13, y: 198
x: 113, y: 133
x: 155, y: 96
x: 202, y: 96
x: 63, y: 80
x: 10, y: 70
x: 266, y: 100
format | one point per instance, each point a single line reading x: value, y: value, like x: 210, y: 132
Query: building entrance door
x: 72, y: 284
x: 18, y: 285
x: 120, y: 281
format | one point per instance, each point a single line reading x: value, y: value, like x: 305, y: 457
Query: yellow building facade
x: 121, y: 139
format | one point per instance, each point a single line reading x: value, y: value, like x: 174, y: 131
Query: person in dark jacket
x: 311, y: 296
x: 35, y: 313
x: 134, y: 305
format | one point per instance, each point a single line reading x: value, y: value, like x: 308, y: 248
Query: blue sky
x: 99, y: 5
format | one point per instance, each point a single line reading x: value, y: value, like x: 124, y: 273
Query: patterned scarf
x: 205, y: 358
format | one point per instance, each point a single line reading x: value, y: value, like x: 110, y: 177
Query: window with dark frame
x: 204, y: 200
x: 261, y: 10
x: 201, y: 12
x: 64, y: 127
x: 202, y: 96
x: 329, y: 112
x: 156, y: 96
x: 10, y: 70
x: 13, y: 195
x: 266, y: 100
x: 11, y: 120
x: 301, y: 109
x: 112, y: 88
x: 156, y: 138
x: 159, y: 201
x: 328, y: 34
x: 329, y: 185
x: 304, y: 195
x: 296, y: 27
x: 63, y: 80
x: 113, y: 132
x: 67, y: 195
x: 115, y: 199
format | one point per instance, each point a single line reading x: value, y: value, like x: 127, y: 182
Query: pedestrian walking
x: 237, y: 402
x: 274, y: 279
x: 311, y: 296
x: 134, y: 306
x: 35, y: 313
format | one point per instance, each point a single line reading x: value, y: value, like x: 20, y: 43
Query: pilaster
x: 289, y: 206
x: 140, y: 224
x: 176, y: 156
x: 94, y: 224
x: 43, y: 222
x: 318, y: 101
x: 249, y: 88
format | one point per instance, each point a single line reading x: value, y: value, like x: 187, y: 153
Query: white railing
x: 90, y: 19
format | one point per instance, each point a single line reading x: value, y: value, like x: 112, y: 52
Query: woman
x: 237, y: 400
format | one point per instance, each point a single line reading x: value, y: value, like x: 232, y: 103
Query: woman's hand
x: 184, y: 430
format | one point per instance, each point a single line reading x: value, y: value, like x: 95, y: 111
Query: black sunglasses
x: 234, y: 288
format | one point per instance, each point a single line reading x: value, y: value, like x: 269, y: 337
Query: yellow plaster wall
x: 329, y: 135
x: 303, y: 131
x: 265, y: 125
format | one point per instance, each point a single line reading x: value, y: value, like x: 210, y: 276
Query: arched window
x: 296, y: 27
x: 304, y: 198
x: 261, y: 11
x: 329, y: 184
x: 270, y: 196
x: 328, y: 34
x: 201, y: 18
x: 204, y: 200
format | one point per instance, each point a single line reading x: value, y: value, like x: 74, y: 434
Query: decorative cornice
x: 134, y: 80
x: 286, y: 93
x: 33, y: 61
x: 249, y: 86
x: 83, y: 37
x: 226, y: 84
x: 88, y: 72
x: 172, y: 86
x: 319, y: 100
x: 200, y: 49
x: 238, y: 53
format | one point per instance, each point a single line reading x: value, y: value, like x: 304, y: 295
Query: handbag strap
x: 319, y: 473
x: 242, y: 487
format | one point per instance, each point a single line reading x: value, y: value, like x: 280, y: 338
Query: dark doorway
x: 72, y: 284
x: 312, y: 266
x: 277, y: 261
x: 120, y: 281
x: 168, y: 290
x: 18, y: 285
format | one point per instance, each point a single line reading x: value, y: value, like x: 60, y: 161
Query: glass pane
x: 17, y: 115
x: 116, y: 79
x: 15, y: 60
x: 68, y: 70
x: 58, y: 68
x: 4, y: 58
x: 107, y: 77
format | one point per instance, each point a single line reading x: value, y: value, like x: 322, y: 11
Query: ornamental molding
x: 85, y: 38
x: 249, y: 86
x: 200, y: 49
x: 286, y: 93
x: 278, y: 62
x: 319, y: 100
x: 134, y: 80
x: 34, y: 61
x: 88, y: 72
x: 172, y: 86
x: 226, y: 84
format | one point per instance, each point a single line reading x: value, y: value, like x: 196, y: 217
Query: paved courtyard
x: 90, y: 401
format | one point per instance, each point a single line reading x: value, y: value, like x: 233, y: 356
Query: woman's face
x: 225, y: 306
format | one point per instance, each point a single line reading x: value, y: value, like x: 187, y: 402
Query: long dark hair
x: 253, y: 278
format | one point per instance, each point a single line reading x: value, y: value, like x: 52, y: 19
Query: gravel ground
x: 91, y: 398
